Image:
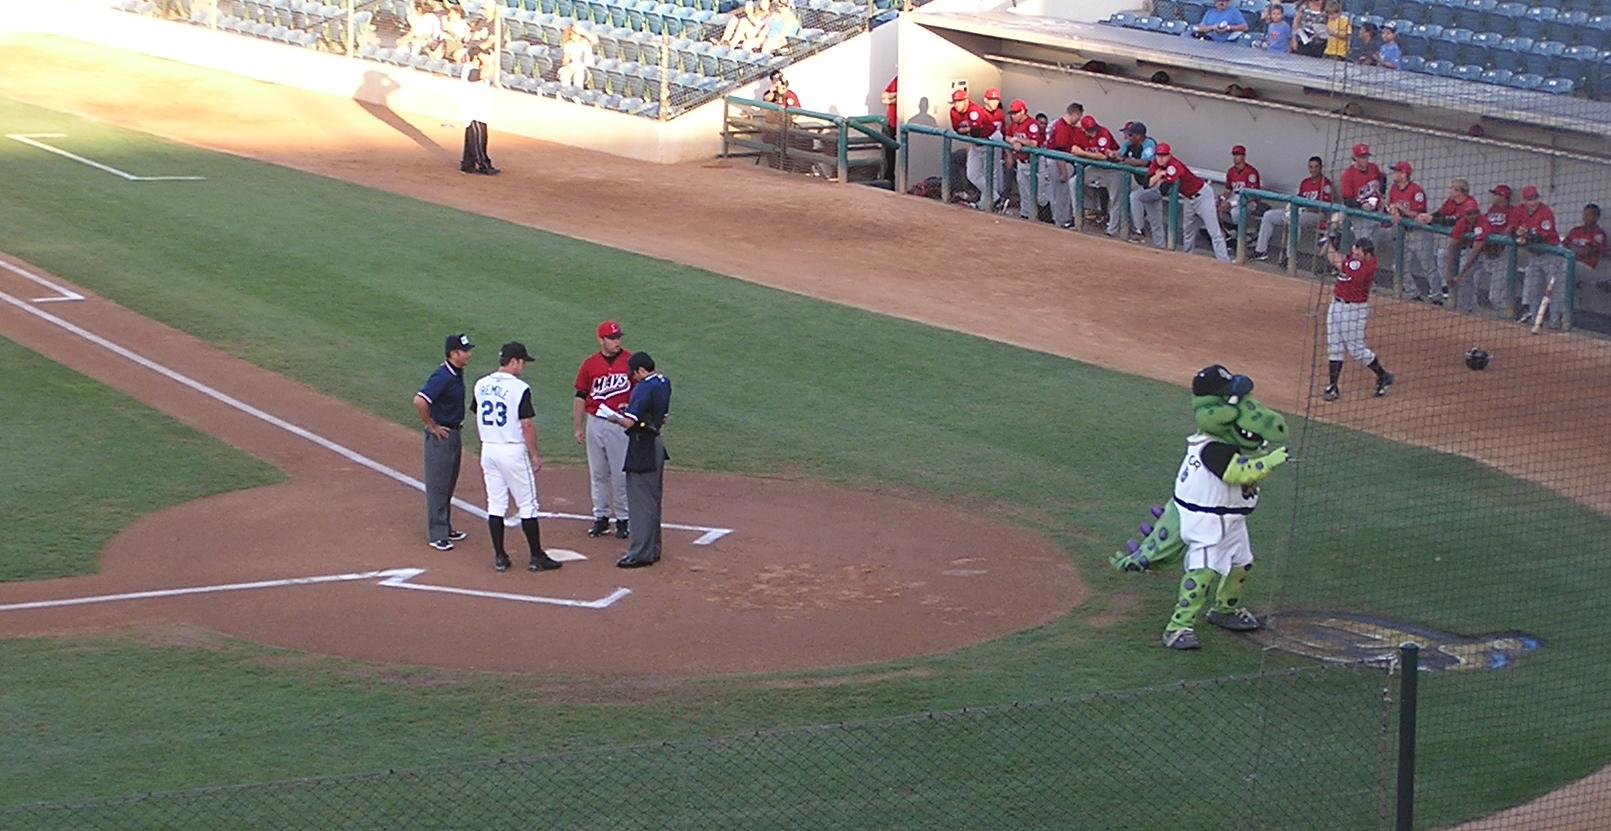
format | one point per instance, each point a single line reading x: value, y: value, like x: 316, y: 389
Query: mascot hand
x: 1274, y: 457
x: 1250, y: 470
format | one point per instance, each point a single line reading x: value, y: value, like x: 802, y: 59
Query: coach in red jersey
x: 603, y: 381
x: 1487, y: 261
x: 1062, y: 138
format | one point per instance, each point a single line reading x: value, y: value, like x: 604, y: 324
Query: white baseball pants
x: 1345, y: 331
x: 606, y: 458
x: 1215, y: 541
x: 506, y: 469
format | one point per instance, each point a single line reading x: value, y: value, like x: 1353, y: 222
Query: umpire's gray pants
x: 441, y: 477
x: 606, y: 454
x: 644, y: 494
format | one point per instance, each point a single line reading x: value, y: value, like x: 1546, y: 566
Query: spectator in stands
x: 1405, y: 202
x: 1486, y: 265
x: 1222, y: 23
x: 1061, y: 138
x: 455, y: 34
x: 1093, y: 141
x: 744, y: 27
x: 1363, y: 186
x: 1277, y: 31
x: 1316, y: 187
x: 1146, y: 202
x: 1390, y: 56
x: 779, y: 92
x: 783, y: 24
x: 1459, y: 204
x: 1238, y: 176
x: 1367, y: 49
x: 1535, y: 225
x: 1023, y: 131
x: 1587, y: 241
x: 1196, y: 200
x: 1339, y: 30
x: 424, y: 35
x: 1309, y: 29
x: 576, y: 55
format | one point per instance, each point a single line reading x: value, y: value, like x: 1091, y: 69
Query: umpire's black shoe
x: 500, y: 563
x: 488, y: 170
x: 601, y: 526
x: 621, y: 531
x: 543, y: 562
x: 631, y: 562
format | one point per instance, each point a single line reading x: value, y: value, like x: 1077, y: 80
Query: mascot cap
x: 1217, y: 380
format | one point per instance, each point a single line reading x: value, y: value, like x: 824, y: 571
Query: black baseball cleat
x: 543, y: 562
x: 467, y: 168
x: 1330, y: 393
x: 441, y: 545
x: 1383, y: 383
x: 601, y: 526
x: 456, y: 536
x: 501, y: 563
x: 621, y: 531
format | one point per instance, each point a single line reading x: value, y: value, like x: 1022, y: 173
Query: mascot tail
x: 1160, y: 542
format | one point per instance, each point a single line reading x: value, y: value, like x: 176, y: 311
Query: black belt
x: 1203, y: 509
x: 1351, y: 302
x: 450, y: 426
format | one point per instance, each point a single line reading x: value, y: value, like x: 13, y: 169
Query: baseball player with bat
x: 1348, y: 314
x: 1535, y: 223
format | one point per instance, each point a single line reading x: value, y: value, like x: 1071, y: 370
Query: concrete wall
x: 931, y: 66
x: 1088, y: 11
x: 847, y: 79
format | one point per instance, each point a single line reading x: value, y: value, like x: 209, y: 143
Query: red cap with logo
x: 1403, y: 167
x: 609, y: 329
x: 1161, y: 150
x: 1361, y: 149
x: 1238, y: 150
x: 993, y: 93
x: 1018, y: 106
x: 1529, y: 192
x: 1501, y: 190
x: 1088, y: 123
x: 959, y: 94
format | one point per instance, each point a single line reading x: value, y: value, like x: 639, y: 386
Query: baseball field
x: 921, y: 473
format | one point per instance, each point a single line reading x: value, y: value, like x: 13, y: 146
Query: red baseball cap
x: 1529, y: 192
x: 993, y: 93
x: 1088, y: 122
x: 1501, y: 190
x: 609, y: 329
x: 1361, y: 149
x: 1018, y: 106
x: 1404, y: 166
x: 1238, y: 150
x: 1162, y: 149
x: 959, y: 94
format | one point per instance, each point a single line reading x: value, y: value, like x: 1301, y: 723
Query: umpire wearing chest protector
x: 646, y: 457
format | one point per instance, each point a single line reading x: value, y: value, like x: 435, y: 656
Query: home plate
x: 565, y: 555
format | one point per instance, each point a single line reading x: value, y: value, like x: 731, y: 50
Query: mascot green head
x: 1224, y: 408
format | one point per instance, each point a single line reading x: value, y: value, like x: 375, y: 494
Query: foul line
x: 707, y: 536
x: 392, y: 578
x: 29, y: 139
x: 62, y: 293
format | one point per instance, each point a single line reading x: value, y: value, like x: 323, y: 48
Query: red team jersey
x: 998, y: 120
x: 889, y: 109
x: 1588, y: 242
x: 1495, y: 222
x: 602, y: 380
x: 1176, y: 171
x: 1357, y: 185
x: 1354, y: 278
x: 1317, y: 188
x: 1247, y: 177
x: 1100, y: 141
x: 973, y: 121
x: 1028, y: 131
x: 1539, y: 224
x: 1062, y: 135
x: 1410, y: 201
x: 1453, y: 210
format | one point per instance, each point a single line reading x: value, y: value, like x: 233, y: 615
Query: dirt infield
x: 785, y: 590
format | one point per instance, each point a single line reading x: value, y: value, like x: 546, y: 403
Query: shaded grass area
x: 351, y: 291
x: 82, y: 460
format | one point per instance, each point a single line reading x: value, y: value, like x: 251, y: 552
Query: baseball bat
x: 1543, y: 304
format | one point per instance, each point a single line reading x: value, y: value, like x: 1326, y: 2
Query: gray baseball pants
x: 606, y: 454
x: 644, y: 493
x: 441, y: 477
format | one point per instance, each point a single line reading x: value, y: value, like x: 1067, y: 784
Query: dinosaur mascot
x: 1217, y: 488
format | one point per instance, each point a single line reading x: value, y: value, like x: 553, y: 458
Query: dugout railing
x: 1401, y: 230
x: 792, y: 138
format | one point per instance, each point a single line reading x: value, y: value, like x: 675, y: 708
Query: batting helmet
x: 1477, y: 358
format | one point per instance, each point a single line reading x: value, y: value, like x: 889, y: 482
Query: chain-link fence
x: 1235, y: 752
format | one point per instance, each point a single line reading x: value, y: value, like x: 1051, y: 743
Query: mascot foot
x: 1181, y: 639
x: 1240, y: 620
x: 1158, y: 510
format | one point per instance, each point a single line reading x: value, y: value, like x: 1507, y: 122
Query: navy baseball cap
x: 1136, y: 128
x: 1217, y: 380
x: 640, y: 360
x: 459, y: 341
x: 511, y: 351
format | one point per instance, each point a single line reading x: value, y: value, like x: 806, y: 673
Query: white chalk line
x: 707, y: 536
x: 62, y: 292
x: 31, y: 139
x: 392, y: 578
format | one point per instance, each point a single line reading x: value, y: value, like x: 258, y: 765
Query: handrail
x: 1401, y: 229
x: 844, y: 124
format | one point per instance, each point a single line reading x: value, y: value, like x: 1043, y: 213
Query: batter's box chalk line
x: 392, y: 578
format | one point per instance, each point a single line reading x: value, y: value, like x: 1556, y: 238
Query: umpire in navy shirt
x: 440, y: 405
x: 646, y: 458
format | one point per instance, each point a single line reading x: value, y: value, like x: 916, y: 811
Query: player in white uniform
x: 503, y: 415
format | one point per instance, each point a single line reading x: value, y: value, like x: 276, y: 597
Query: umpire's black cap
x: 1217, y: 380
x: 458, y: 341
x: 640, y: 360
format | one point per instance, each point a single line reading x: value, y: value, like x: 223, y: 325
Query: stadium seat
x: 1468, y: 72
x: 1497, y: 76
x: 1504, y: 16
x: 1479, y: 50
x: 1442, y: 69
x: 1597, y: 33
x: 1510, y: 54
x: 1193, y: 13
x: 1150, y: 24
x: 1473, y: 14
x: 1558, y: 86
x: 1175, y: 27
x: 1440, y: 12
x: 1566, y: 27
x: 1533, y: 22
x: 1542, y: 60
x: 1578, y: 61
x: 1413, y: 63
x: 1445, y: 47
x: 1527, y: 81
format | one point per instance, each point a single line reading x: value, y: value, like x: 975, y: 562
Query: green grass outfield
x: 351, y: 290
x: 82, y: 461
